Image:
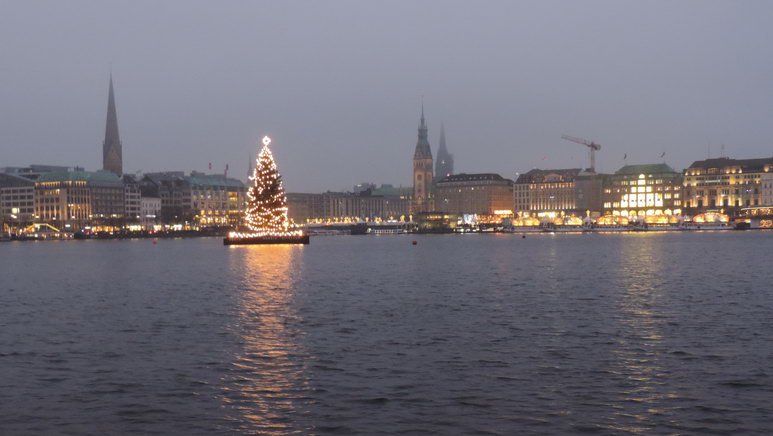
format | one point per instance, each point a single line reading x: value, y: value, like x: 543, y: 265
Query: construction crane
x: 590, y: 144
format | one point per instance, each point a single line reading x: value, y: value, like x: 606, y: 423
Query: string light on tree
x: 266, y: 212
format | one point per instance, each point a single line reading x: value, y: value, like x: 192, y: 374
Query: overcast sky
x: 339, y: 84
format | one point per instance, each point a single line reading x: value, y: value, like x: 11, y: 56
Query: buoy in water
x: 155, y: 241
x: 523, y: 236
x: 414, y: 242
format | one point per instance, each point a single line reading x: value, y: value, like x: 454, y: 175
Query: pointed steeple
x: 442, y: 146
x: 422, y: 145
x: 422, y: 170
x: 444, y: 165
x: 112, y: 156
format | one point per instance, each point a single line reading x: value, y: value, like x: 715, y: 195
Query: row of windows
x: 706, y: 178
x: 725, y: 202
x: 713, y: 192
x: 10, y: 210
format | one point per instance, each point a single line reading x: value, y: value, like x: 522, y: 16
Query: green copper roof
x: 89, y: 176
x: 213, y: 181
x: 660, y: 168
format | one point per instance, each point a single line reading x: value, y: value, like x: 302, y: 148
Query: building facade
x: 643, y: 190
x: 198, y: 199
x: 17, y: 201
x: 72, y: 200
x: 217, y: 200
x: 150, y: 209
x: 766, y: 180
x: 725, y: 184
x: 422, y: 171
x: 175, y: 195
x: 385, y: 203
x: 132, y: 195
x: 558, y: 192
x: 546, y: 192
x: 482, y: 194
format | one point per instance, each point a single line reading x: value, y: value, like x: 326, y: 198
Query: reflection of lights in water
x: 268, y: 373
x: 637, y: 351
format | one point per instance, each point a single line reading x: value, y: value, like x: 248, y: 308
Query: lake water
x: 487, y: 334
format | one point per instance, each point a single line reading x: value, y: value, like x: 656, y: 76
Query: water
x: 489, y: 334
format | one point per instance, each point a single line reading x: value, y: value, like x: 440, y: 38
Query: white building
x: 150, y: 208
x: 131, y: 195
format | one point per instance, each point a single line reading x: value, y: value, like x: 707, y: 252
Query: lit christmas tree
x: 266, y: 213
x: 266, y: 201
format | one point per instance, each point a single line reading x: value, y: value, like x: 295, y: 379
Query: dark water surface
x: 653, y: 333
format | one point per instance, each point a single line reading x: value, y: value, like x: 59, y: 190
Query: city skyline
x: 677, y: 79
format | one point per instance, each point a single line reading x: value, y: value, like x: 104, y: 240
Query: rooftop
x: 464, y: 177
x: 196, y: 179
x: 555, y: 175
x: 13, y: 180
x: 88, y: 176
x: 721, y: 162
x: 659, y: 168
x: 202, y: 180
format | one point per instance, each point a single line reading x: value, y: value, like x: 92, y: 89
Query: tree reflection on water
x: 267, y: 379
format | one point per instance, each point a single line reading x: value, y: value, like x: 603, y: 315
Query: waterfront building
x: 198, y: 199
x: 17, y: 201
x: 444, y: 165
x: 132, y: 207
x: 725, y: 184
x: 766, y: 181
x: 422, y: 170
x: 558, y: 192
x: 643, y: 190
x: 72, y: 200
x: 302, y: 207
x: 150, y: 209
x: 112, y: 153
x: 482, y: 194
x: 216, y: 199
x: 175, y: 195
x: 382, y: 203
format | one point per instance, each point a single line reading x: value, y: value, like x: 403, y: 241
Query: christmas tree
x: 266, y: 212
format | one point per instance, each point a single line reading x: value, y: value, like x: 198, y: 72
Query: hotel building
x: 482, y: 194
x: 643, y: 190
x: 725, y: 184
x: 558, y: 192
x: 74, y: 199
x: 370, y: 203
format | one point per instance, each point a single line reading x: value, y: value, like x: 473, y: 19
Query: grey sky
x: 338, y: 84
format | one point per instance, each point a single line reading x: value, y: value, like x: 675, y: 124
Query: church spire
x: 422, y: 145
x: 442, y: 145
x: 444, y: 165
x: 112, y: 159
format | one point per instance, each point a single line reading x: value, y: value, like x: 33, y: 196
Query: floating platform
x: 264, y: 240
